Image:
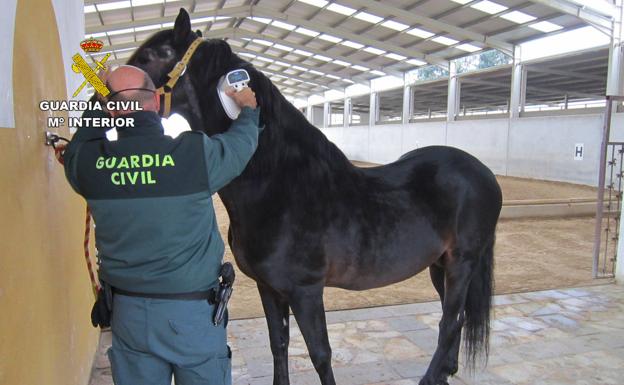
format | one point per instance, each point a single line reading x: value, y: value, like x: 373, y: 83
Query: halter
x: 178, y: 70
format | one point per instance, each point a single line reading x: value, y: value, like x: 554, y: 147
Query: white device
x: 238, y: 79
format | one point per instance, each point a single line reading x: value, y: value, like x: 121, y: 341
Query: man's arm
x: 227, y: 154
x: 82, y: 135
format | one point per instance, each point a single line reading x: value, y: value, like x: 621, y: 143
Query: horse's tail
x: 477, y: 310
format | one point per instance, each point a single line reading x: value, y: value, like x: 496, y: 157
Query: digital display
x: 237, y: 76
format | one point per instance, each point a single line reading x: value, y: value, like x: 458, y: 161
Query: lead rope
x: 59, y: 151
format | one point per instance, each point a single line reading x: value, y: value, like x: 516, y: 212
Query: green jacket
x: 151, y: 199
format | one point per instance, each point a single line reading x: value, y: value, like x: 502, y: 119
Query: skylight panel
x: 101, y: 34
x: 462, y: 2
x: 368, y: 17
x: 330, y: 38
x: 546, y: 26
x: 374, y: 51
x: 420, y: 33
x: 308, y: 32
x: 167, y: 25
x: 395, y: 56
x: 208, y: 19
x: 395, y: 25
x: 316, y: 3
x: 379, y: 73
x: 518, y: 17
x: 138, y: 3
x: 352, y: 44
x: 303, y: 53
x: 89, y: 8
x: 282, y: 47
x: 265, y: 59
x: 468, y: 47
x: 333, y: 76
x: 323, y: 58
x: 360, y: 68
x: 315, y: 72
x: 444, y: 40
x: 263, y: 42
x: 283, y: 64
x: 348, y: 81
x: 245, y: 54
x: 120, y: 31
x: 280, y: 24
x: 147, y: 27
x: 416, y: 62
x: 115, y: 5
x: 299, y: 68
x: 342, y: 63
x: 489, y: 7
x: 262, y: 20
x: 341, y: 9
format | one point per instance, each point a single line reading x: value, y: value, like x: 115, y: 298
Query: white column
x: 452, y: 105
x: 326, y: 113
x: 309, y: 114
x: 346, y: 120
x: 374, y: 109
x: 518, y: 86
x: 407, y: 104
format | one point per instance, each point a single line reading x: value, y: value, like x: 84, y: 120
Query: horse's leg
x: 458, y: 272
x: 310, y: 315
x: 276, y: 312
x: 437, y: 278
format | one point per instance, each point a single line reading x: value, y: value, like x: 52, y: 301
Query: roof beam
x: 347, y: 35
x: 602, y: 22
x: 415, y: 18
x: 242, y: 11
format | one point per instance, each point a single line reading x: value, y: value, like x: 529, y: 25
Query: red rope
x: 58, y: 153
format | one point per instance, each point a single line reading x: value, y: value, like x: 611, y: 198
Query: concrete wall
x: 45, y: 296
x: 531, y: 147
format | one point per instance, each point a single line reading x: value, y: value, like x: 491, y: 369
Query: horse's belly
x: 370, y: 270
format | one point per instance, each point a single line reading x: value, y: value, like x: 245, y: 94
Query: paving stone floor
x: 566, y: 336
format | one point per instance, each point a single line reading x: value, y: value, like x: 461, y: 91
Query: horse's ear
x: 199, y: 33
x: 182, y: 27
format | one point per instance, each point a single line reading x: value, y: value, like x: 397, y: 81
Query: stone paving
x: 566, y: 336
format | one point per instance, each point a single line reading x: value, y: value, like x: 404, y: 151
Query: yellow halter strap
x: 178, y: 70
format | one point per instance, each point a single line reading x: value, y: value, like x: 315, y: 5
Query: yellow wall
x: 45, y: 333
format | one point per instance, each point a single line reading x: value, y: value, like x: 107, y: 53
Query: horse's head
x: 195, y: 94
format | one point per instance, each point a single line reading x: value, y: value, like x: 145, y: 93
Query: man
x: 157, y: 237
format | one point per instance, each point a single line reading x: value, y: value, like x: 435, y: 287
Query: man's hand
x: 244, y: 98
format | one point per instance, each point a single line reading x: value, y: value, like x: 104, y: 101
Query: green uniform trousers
x: 154, y: 339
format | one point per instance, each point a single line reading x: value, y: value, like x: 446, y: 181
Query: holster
x: 103, y: 307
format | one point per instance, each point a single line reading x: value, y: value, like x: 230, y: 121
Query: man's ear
x: 182, y: 27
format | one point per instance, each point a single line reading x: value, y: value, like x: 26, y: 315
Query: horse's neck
x: 293, y: 157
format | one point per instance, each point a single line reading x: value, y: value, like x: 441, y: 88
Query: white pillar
x: 309, y: 114
x: 407, y: 104
x: 326, y: 114
x: 518, y: 86
x: 452, y: 105
x: 374, y: 109
x: 346, y: 120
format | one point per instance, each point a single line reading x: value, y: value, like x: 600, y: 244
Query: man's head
x: 129, y: 83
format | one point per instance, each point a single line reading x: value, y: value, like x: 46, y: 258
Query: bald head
x: 129, y: 83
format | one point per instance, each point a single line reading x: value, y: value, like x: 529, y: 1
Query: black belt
x: 193, y: 296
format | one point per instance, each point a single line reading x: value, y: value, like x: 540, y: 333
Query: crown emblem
x: 91, y: 45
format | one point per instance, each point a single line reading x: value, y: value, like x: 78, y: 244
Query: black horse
x: 302, y: 217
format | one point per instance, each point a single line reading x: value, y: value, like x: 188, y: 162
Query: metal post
x: 453, y: 96
x: 326, y: 114
x: 346, y: 120
x: 407, y: 104
x: 601, y: 184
